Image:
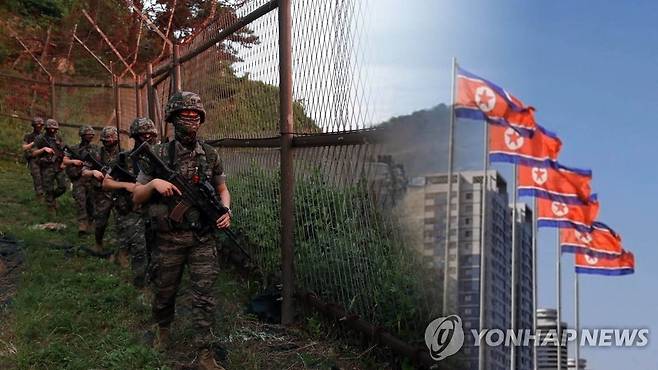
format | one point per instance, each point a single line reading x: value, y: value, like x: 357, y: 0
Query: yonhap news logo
x: 444, y: 337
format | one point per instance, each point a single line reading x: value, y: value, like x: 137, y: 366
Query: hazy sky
x: 591, y: 70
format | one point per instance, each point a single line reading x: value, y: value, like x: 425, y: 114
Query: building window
x: 468, y: 196
x: 437, y: 179
x: 467, y: 221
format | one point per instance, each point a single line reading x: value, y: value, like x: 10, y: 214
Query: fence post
x: 177, y: 73
x: 52, y: 97
x: 138, y: 97
x: 117, y: 106
x: 287, y: 160
x: 150, y: 96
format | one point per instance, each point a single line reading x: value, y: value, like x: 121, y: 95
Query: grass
x: 72, y: 311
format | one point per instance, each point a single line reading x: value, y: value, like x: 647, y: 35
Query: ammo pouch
x: 192, y: 220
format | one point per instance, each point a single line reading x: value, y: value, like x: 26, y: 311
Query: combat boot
x: 162, y: 340
x: 82, y: 228
x: 207, y: 361
x: 98, y: 248
x: 122, y: 258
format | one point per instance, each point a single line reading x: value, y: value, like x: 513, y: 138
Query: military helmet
x: 86, y: 130
x: 184, y: 100
x: 142, y: 125
x: 109, y: 133
x: 37, y: 121
x: 51, y: 123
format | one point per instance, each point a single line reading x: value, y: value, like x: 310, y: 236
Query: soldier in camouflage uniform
x: 33, y: 163
x: 48, y: 148
x: 189, y: 242
x: 103, y: 199
x: 130, y: 223
x: 83, y: 189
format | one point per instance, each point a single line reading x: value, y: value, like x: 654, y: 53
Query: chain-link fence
x: 351, y: 249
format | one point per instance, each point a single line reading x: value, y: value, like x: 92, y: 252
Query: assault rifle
x: 71, y: 153
x: 119, y: 173
x: 58, y: 154
x: 201, y: 196
x: 95, y: 164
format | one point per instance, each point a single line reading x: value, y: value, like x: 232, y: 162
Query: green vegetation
x: 348, y: 251
x: 242, y: 106
x: 70, y: 312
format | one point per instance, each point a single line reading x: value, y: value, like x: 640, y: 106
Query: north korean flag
x: 555, y: 213
x: 508, y: 145
x: 623, y: 264
x: 478, y: 98
x: 600, y: 241
x: 569, y: 185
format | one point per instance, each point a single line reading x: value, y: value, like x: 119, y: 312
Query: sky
x: 591, y: 71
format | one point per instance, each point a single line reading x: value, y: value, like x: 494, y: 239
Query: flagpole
x: 559, y: 301
x: 483, y: 249
x: 535, y: 302
x: 446, y: 274
x: 577, y: 319
x: 514, y: 268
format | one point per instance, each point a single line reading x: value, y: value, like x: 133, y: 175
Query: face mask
x: 86, y: 139
x: 51, y: 131
x: 185, y: 129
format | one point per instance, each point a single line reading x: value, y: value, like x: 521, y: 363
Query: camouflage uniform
x: 53, y: 178
x: 33, y: 163
x: 190, y: 242
x: 102, y: 199
x: 83, y: 188
x: 131, y: 223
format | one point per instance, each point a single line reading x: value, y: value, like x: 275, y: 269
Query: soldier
x: 129, y: 219
x: 83, y: 189
x: 49, y: 149
x: 32, y: 162
x: 190, y: 241
x: 103, y: 199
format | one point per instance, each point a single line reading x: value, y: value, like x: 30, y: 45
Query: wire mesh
x: 328, y: 75
x: 238, y: 78
x: 23, y: 98
x: 85, y: 105
x: 351, y: 248
x: 253, y: 179
x: 128, y: 98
